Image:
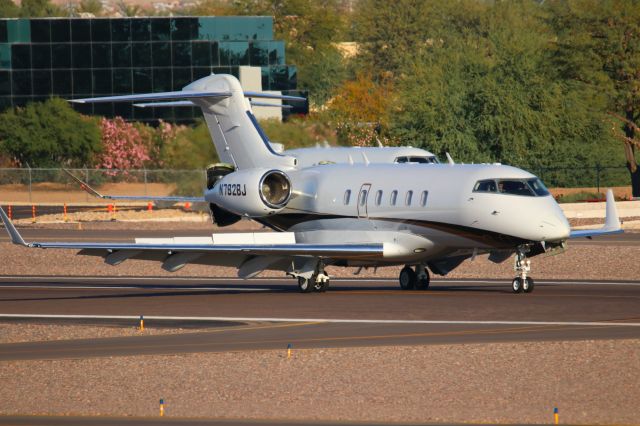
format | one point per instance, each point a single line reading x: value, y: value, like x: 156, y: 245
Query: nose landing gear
x: 522, y: 283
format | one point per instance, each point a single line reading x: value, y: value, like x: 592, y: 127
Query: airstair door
x: 363, y: 195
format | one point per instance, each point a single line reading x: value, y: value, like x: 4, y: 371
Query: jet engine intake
x: 275, y: 189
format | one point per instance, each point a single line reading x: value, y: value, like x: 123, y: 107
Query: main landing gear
x: 522, y: 283
x: 418, y: 278
x: 319, y: 282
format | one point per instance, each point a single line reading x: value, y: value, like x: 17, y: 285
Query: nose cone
x: 555, y: 226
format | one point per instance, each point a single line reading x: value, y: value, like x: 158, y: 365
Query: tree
x: 489, y: 91
x: 93, y: 7
x: 360, y: 110
x: 8, y: 9
x: 124, y: 145
x: 39, y: 9
x: 49, y: 134
x: 599, y: 51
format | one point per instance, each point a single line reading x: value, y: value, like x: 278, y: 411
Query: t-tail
x: 236, y: 134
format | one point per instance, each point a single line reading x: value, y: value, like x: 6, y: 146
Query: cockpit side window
x: 515, y: 187
x: 538, y: 187
x: 485, y: 186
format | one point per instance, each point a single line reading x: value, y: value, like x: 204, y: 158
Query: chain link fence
x: 55, y: 186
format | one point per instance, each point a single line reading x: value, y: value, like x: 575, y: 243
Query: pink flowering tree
x: 124, y: 146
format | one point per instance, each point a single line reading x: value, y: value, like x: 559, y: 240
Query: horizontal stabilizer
x: 191, y: 104
x: 611, y: 222
x: 265, y: 95
x: 86, y: 187
x: 165, y: 104
x: 160, y: 96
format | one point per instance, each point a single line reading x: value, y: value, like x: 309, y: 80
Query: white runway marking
x: 286, y: 280
x: 329, y: 320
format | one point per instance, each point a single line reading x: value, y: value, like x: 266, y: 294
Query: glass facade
x: 77, y: 57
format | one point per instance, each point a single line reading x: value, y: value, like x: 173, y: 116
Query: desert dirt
x: 592, y: 382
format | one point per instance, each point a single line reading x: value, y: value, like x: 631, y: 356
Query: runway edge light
x: 289, y: 347
x: 161, y: 407
x: 555, y: 415
x: 141, y: 328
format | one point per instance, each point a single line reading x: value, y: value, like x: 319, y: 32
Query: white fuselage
x: 444, y: 209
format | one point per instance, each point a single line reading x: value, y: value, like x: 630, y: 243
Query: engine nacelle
x: 252, y: 193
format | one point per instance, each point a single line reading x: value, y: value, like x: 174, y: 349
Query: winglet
x: 85, y: 186
x: 611, y: 221
x: 16, y: 238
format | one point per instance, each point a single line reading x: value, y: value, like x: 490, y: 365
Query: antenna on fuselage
x: 365, y: 158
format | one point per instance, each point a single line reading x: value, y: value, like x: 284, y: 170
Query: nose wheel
x: 522, y: 283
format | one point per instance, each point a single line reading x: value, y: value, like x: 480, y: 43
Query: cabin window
x: 363, y: 197
x: 347, y: 197
x: 408, y: 198
x: 423, y: 198
x: 394, y: 197
x: 378, y: 197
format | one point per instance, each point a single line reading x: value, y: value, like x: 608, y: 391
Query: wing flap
x: 170, y: 247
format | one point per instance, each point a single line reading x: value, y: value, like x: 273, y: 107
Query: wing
x: 86, y: 187
x: 611, y: 222
x: 251, y: 252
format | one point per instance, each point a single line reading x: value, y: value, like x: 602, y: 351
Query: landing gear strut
x: 319, y: 281
x: 522, y: 283
x: 418, y: 278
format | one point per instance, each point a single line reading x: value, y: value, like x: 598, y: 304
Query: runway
x: 234, y: 315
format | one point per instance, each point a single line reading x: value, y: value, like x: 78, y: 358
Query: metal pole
x: 30, y: 195
x: 86, y: 179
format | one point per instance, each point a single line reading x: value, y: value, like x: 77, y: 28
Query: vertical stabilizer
x: 236, y: 134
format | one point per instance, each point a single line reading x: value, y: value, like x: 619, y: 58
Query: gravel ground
x: 14, y: 333
x: 590, y: 381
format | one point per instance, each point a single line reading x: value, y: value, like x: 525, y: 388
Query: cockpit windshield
x: 525, y: 187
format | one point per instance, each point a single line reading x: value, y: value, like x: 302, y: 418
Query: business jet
x: 429, y: 219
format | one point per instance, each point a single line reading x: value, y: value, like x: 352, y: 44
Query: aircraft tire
x: 407, y: 278
x: 322, y: 287
x: 528, y: 285
x: 516, y: 285
x: 305, y: 285
x: 423, y: 282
